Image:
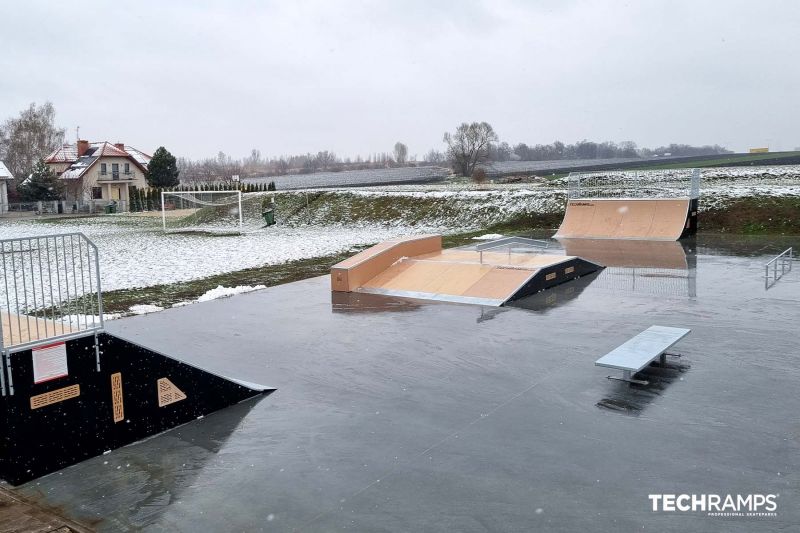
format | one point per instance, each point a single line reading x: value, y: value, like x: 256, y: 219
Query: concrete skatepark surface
x: 403, y: 415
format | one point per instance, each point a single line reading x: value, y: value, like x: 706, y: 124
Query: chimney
x: 82, y: 147
x: 121, y: 146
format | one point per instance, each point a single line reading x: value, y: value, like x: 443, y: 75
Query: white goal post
x: 216, y: 212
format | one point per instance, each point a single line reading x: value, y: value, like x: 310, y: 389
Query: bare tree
x: 28, y: 138
x: 325, y: 160
x: 434, y: 156
x: 400, y: 153
x: 469, y: 145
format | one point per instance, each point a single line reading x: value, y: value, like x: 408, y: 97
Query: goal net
x: 217, y: 212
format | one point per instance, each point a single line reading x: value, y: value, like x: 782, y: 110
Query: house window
x: 115, y: 170
x: 103, y: 169
x: 97, y: 193
x: 127, y: 168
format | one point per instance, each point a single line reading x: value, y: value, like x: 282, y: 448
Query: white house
x: 99, y: 171
x: 5, y: 177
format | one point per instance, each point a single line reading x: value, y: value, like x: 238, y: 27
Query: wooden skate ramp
x: 458, y: 275
x: 643, y: 219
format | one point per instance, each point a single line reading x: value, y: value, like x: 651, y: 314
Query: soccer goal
x: 216, y: 212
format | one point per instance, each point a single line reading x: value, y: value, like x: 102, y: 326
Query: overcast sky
x: 355, y: 77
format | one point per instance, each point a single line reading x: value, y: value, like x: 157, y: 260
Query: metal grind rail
x: 510, y: 243
x: 777, y: 267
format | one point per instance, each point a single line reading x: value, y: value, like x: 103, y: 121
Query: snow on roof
x: 78, y: 165
x: 141, y: 157
x: 106, y: 149
x: 5, y: 174
x: 66, y: 154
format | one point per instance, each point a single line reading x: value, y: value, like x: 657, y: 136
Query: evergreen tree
x: 162, y: 171
x: 271, y: 186
x: 42, y: 184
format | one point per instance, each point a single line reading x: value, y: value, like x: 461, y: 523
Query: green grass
x: 721, y: 161
x: 167, y: 295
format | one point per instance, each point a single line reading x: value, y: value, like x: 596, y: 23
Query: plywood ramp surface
x: 498, y: 283
x: 22, y: 329
x: 521, y: 260
x: 655, y: 219
x: 460, y: 274
x: 351, y: 273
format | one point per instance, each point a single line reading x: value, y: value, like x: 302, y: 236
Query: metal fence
x: 49, y: 290
x: 777, y: 267
x: 676, y: 183
x: 53, y: 207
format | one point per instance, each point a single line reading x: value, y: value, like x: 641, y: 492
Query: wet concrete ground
x: 396, y: 415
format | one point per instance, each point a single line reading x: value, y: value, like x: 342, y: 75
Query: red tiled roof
x: 65, y: 154
x: 79, y: 165
x: 107, y: 149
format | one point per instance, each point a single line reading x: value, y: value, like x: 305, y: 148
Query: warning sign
x: 49, y: 362
x: 168, y: 393
x: 116, y: 397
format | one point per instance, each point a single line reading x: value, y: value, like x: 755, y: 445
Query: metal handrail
x: 510, y: 242
x: 784, y: 259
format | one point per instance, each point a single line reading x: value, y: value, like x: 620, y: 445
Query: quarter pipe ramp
x: 629, y: 218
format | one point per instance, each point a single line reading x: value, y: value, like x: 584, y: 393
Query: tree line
x: 29, y: 137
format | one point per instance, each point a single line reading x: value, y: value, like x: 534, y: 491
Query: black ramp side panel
x: 690, y: 227
x: 41, y: 440
x: 557, y: 274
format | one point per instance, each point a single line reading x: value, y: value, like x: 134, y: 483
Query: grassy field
x: 779, y: 158
x: 732, y: 160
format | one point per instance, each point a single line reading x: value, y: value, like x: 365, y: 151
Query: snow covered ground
x: 134, y: 252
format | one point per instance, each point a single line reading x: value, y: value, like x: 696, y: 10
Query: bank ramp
x: 68, y: 389
x: 490, y: 274
x: 653, y: 205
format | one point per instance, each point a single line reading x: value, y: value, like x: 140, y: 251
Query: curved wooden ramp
x: 417, y: 267
x: 662, y: 219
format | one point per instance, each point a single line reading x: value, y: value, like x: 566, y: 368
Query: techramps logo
x: 724, y: 505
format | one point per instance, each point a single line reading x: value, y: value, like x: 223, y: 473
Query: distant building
x: 759, y: 150
x: 99, y: 171
x: 5, y: 177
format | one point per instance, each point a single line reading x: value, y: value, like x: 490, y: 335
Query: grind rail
x: 777, y: 267
x: 510, y: 243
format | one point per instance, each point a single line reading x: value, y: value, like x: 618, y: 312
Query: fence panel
x: 49, y: 290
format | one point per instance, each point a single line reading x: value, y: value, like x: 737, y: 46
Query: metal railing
x: 671, y: 183
x: 49, y: 290
x: 119, y: 175
x: 777, y: 267
x: 510, y: 243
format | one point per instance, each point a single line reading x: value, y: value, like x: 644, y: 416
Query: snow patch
x: 224, y: 292
x: 143, y: 309
x: 488, y: 237
x: 87, y: 321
